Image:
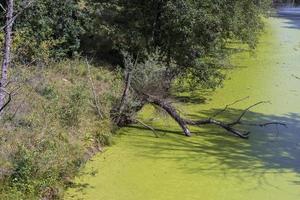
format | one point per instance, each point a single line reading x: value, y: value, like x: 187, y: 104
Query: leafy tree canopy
x: 189, y: 34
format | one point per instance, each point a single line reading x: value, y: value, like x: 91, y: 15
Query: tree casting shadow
x: 211, y: 150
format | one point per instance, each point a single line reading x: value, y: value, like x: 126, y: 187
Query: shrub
x: 70, y: 111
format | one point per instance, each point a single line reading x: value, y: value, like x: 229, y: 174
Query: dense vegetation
x: 288, y: 2
x: 63, y: 110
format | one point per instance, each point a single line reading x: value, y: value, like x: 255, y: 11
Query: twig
x: 21, y: 103
x: 16, y: 15
x: 227, y: 106
x: 238, y: 121
x: 2, y: 7
x: 147, y: 126
x: 266, y: 124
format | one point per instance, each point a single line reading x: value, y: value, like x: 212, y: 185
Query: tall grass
x: 51, y: 127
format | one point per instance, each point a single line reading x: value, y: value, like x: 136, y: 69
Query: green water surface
x: 213, y: 165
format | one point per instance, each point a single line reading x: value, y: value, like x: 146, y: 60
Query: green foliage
x: 48, y: 91
x: 103, y: 135
x: 47, y: 130
x: 23, y: 170
x: 48, y: 29
x: 190, y: 34
x: 70, y: 111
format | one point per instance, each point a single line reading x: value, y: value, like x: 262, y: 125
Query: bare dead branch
x: 227, y: 106
x: 147, y: 126
x: 265, y: 124
x: 8, y: 100
x: 95, y: 97
x: 144, y: 93
x: 13, y: 18
x: 130, y: 65
x: 229, y: 127
x: 2, y: 7
x: 238, y: 121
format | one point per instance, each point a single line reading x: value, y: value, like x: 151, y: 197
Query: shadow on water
x: 292, y: 15
x: 190, y: 99
x: 272, y: 149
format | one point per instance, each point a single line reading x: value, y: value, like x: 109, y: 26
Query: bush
x: 47, y: 91
x: 70, y: 111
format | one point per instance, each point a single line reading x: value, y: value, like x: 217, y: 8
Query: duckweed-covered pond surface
x: 213, y: 165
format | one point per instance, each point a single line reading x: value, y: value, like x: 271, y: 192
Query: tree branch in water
x: 229, y: 127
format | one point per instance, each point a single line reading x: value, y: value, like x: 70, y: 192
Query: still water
x: 212, y: 165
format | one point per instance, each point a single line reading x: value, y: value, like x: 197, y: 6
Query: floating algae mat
x: 213, y: 165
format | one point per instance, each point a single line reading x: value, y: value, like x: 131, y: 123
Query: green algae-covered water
x: 212, y: 165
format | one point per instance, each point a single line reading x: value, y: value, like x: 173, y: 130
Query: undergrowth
x: 51, y: 125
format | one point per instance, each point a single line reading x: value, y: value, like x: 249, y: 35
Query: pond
x: 213, y: 165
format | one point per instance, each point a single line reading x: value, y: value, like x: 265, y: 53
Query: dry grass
x: 51, y: 126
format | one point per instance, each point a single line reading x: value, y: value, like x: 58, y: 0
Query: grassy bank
x: 53, y: 125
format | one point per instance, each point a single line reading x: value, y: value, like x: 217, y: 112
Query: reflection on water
x: 294, y: 11
x: 292, y: 14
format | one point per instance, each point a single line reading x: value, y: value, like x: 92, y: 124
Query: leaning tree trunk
x: 120, y: 120
x: 172, y: 112
x: 6, y: 49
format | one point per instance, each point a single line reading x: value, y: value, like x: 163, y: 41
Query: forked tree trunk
x: 6, y: 50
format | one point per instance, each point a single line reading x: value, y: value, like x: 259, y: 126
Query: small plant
x: 69, y: 112
x: 48, y: 91
x: 23, y: 171
x: 104, y: 138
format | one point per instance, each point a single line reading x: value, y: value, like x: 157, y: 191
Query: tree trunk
x: 6, y: 49
x: 172, y: 112
x: 120, y: 120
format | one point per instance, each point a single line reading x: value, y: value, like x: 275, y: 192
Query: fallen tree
x: 144, y: 84
x: 230, y: 127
